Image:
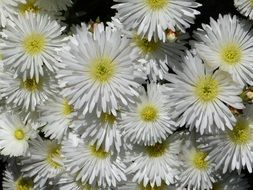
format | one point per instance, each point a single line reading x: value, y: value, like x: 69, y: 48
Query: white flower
x: 59, y: 117
x: 7, y: 10
x: 103, y: 131
x: 31, y: 44
x: 245, y: 7
x: 197, y: 172
x: 14, y: 135
x: 26, y: 93
x: 55, y: 5
x: 150, y: 18
x: 156, y: 163
x: 200, y: 96
x: 99, y: 72
x: 92, y: 165
x: 233, y: 149
x: 44, y: 161
x: 227, y: 44
x: 148, y: 120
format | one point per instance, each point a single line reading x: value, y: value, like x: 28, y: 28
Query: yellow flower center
x: 54, y: 153
x: 148, y: 113
x: 19, y: 134
x: 163, y: 186
x: 231, y: 54
x: 102, y: 69
x: 107, y: 118
x: 240, y: 134
x: 24, y: 184
x: 207, y: 89
x: 146, y: 47
x: 156, y: 5
x: 99, y: 153
x: 67, y: 108
x: 34, y: 44
x: 29, y: 6
x: 31, y: 85
x: 156, y: 150
x: 199, y: 161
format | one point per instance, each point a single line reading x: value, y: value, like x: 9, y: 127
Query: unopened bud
x: 171, y: 35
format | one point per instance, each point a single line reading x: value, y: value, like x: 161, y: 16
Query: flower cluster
x: 132, y: 104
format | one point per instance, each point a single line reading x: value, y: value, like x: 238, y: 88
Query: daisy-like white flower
x: 56, y: 5
x: 245, y: 7
x: 148, y: 120
x: 58, y: 116
x: 93, y: 165
x: 232, y: 149
x: 31, y: 44
x: 231, y: 181
x: 98, y: 73
x: 14, y: 180
x: 14, y: 135
x: 44, y: 161
x: 151, y: 18
x: 7, y: 10
x: 196, y: 172
x: 26, y: 93
x: 200, y: 96
x: 103, y: 131
x: 153, y: 164
x: 227, y: 44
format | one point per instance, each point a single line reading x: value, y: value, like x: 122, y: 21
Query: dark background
x: 84, y: 10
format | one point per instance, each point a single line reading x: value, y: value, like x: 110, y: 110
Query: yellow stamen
x: 108, y: 118
x: 19, y: 134
x: 99, y: 153
x: 241, y: 132
x: 156, y: 5
x: 34, y: 44
x: 54, y: 153
x: 29, y: 6
x: 207, y: 89
x: 148, y: 113
x: 231, y: 54
x: 102, y: 69
x: 199, y: 161
x: 67, y: 108
x: 156, y: 150
x: 31, y: 85
x: 24, y: 184
x: 146, y: 46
